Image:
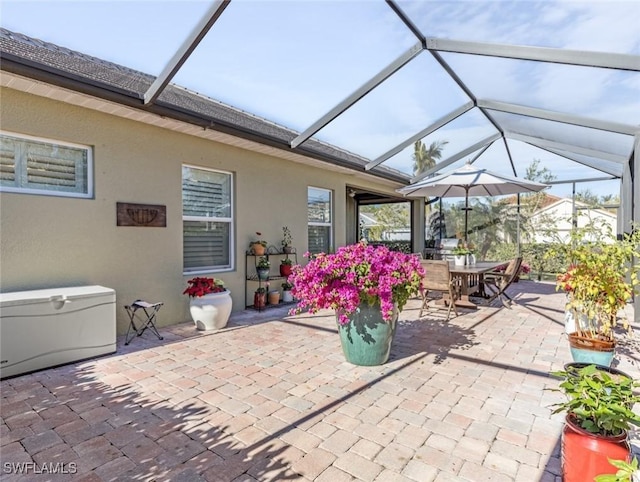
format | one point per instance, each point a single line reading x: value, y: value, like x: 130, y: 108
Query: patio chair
x: 497, y: 282
x: 437, y: 280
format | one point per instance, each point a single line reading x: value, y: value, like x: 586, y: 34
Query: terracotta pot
x: 584, y: 455
x: 258, y: 249
x: 259, y: 300
x: 274, y: 297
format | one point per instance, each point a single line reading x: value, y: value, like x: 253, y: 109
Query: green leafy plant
x: 624, y: 474
x: 286, y: 286
x: 598, y: 401
x: 261, y: 290
x: 286, y: 237
x: 286, y: 261
x: 600, y: 277
x: 462, y: 249
x: 263, y: 263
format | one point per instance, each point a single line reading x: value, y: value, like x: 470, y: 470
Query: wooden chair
x: 497, y: 282
x: 437, y: 279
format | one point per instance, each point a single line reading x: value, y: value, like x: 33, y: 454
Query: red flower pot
x: 285, y: 270
x: 584, y: 455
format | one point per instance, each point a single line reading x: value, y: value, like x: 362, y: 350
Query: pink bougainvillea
x: 354, y: 274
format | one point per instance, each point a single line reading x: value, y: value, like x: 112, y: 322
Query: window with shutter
x: 207, y: 219
x: 39, y: 166
x: 320, y: 224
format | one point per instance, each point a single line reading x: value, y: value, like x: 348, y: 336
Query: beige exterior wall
x: 559, y: 217
x: 50, y: 241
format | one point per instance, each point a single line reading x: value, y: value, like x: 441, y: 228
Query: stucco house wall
x: 50, y: 241
x: 558, y: 217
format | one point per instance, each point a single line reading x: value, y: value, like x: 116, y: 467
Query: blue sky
x: 290, y: 62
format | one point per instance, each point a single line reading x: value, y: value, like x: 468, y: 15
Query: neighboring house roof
x: 66, y: 68
x: 368, y: 221
x: 547, y: 199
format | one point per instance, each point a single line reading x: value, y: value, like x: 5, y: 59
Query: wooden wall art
x: 142, y: 215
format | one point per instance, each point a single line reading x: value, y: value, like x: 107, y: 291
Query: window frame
x: 321, y: 224
x: 215, y: 219
x: 46, y: 192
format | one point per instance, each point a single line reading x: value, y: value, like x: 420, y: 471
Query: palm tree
x: 425, y: 158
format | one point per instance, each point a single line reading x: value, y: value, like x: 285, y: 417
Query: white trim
x: 230, y: 220
x: 322, y: 224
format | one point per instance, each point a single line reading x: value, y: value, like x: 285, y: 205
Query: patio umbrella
x: 470, y: 181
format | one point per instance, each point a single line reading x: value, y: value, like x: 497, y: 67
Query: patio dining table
x: 471, y: 279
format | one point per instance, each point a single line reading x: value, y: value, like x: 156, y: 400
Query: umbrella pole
x: 466, y: 212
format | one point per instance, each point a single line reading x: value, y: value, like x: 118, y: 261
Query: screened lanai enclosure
x: 402, y: 90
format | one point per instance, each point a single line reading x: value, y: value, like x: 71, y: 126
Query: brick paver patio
x: 271, y: 398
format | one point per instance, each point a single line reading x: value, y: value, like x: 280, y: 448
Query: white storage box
x: 45, y: 328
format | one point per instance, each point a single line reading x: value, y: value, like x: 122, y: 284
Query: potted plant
x: 285, y: 267
x: 260, y: 298
x: 367, y: 287
x: 287, y: 295
x: 210, y: 302
x: 273, y: 297
x: 258, y: 246
x: 460, y: 253
x: 286, y: 240
x: 262, y: 268
x: 599, y: 281
x: 598, y: 416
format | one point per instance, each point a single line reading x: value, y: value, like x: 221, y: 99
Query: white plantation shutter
x: 319, y: 215
x: 207, y: 219
x: 44, y: 167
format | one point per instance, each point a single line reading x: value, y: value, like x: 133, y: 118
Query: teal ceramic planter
x: 586, y: 350
x: 366, y: 339
x: 582, y: 355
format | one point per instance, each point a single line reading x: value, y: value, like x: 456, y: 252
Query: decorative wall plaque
x: 142, y: 215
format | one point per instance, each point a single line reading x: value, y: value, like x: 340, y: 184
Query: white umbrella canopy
x: 470, y: 181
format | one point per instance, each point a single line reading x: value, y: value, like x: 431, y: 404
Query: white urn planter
x: 211, y: 311
x: 460, y: 260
